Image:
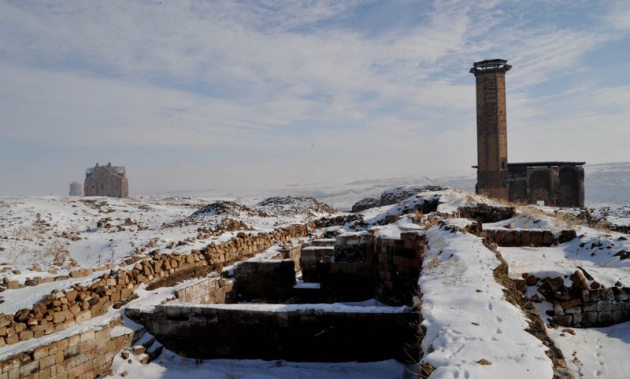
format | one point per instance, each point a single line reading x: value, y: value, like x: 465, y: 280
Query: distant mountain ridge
x: 605, y: 184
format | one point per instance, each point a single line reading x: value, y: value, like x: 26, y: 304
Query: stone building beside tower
x: 106, y: 181
x: 553, y: 183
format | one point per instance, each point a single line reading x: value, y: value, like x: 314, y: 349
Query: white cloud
x: 297, y: 85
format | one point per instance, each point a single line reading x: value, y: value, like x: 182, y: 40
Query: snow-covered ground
x: 471, y: 330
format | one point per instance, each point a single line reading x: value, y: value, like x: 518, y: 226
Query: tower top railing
x: 490, y: 65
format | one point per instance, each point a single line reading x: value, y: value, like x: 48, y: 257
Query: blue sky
x: 225, y: 95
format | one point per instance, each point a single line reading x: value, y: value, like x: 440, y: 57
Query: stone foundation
x: 62, y: 309
x: 316, y: 333
x: 398, y: 265
x: 528, y: 237
x: 594, y: 308
x: 361, y: 267
x: 269, y: 281
x: 83, y: 355
x: 207, y: 291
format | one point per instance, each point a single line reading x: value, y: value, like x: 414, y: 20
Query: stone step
x: 144, y: 345
x: 137, y: 335
x: 151, y: 354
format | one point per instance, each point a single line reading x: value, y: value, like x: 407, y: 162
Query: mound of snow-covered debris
x: 229, y: 208
x: 290, y: 206
x: 270, y: 207
x: 392, y: 196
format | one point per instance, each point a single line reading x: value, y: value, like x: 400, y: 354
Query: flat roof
x: 542, y: 164
x: 546, y: 164
x: 490, y: 65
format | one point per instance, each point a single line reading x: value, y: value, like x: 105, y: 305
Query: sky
x: 228, y: 95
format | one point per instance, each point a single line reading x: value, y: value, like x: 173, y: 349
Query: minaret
x: 492, y: 163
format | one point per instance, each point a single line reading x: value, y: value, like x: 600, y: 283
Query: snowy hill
x: 605, y: 184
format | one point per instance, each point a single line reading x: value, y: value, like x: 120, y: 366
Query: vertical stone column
x: 492, y: 163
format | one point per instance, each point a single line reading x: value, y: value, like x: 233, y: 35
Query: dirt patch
x: 181, y: 275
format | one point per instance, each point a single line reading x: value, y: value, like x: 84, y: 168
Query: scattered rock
x: 531, y: 280
x: 579, y: 282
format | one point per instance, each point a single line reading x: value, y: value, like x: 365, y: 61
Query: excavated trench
x: 354, y: 303
x: 357, y: 300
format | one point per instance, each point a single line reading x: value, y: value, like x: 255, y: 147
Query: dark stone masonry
x: 558, y: 184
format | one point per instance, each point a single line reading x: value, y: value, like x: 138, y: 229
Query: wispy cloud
x: 309, y: 84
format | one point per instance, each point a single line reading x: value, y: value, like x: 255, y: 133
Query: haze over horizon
x: 191, y: 95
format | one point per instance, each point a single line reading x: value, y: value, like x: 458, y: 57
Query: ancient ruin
x: 76, y: 189
x: 107, y: 180
x: 367, y: 286
x: 552, y: 183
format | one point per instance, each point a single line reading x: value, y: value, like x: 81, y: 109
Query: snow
x: 465, y: 312
x: 590, y: 251
x: 308, y: 286
x: 169, y: 365
x: 467, y: 318
x: 596, y: 352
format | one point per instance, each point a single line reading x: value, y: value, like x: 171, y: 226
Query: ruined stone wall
x: 83, y: 355
x: 294, y: 253
x: 270, y: 281
x: 291, y: 332
x: 528, y: 237
x: 361, y: 267
x: 349, y: 274
x: 594, y: 308
x: 561, y: 186
x: 207, y: 291
x: 570, y: 188
x: 310, y: 259
x: 62, y: 309
x: 398, y: 264
x: 348, y: 281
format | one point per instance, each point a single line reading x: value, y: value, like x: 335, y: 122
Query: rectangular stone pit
x: 314, y: 332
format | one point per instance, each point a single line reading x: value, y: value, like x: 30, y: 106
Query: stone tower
x: 76, y: 189
x: 492, y: 163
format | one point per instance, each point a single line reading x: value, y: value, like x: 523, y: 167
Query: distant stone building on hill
x: 106, y: 181
x: 76, y: 189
